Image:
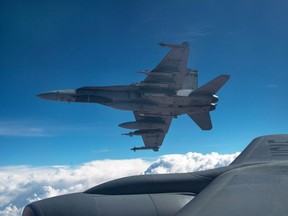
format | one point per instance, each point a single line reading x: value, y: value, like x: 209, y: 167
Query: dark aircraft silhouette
x: 255, y: 183
x: 169, y: 90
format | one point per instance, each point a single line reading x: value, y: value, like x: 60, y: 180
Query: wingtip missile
x: 145, y: 72
x: 155, y: 149
x: 128, y: 134
x: 184, y: 44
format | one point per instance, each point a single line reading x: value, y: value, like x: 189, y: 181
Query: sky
x: 48, y: 45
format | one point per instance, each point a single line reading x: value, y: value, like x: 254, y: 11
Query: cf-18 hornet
x: 169, y: 90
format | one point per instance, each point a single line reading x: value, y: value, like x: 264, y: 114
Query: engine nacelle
x: 215, y: 99
x: 155, y: 195
x: 109, y: 205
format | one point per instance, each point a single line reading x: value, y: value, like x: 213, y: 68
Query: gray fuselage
x: 157, y: 101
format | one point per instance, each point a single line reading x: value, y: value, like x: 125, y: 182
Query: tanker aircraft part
x: 255, y: 183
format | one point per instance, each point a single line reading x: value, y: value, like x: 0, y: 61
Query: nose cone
x: 48, y: 95
x: 59, y: 95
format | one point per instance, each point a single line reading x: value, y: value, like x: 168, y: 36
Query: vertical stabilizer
x: 213, y: 86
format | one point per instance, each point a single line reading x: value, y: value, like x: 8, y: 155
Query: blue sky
x: 48, y: 45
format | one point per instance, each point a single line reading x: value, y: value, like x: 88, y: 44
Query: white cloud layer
x: 189, y: 162
x: 22, y: 129
x: 20, y: 185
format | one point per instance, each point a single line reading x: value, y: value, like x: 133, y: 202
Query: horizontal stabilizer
x: 213, y: 86
x: 203, y: 120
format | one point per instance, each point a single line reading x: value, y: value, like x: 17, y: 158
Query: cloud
x: 31, y: 128
x: 13, y: 128
x: 189, y: 162
x: 101, y: 151
x: 11, y: 210
x: 20, y: 185
x: 194, y: 31
x: 23, y: 128
x: 272, y: 86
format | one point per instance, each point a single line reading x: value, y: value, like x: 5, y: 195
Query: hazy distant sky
x: 48, y: 45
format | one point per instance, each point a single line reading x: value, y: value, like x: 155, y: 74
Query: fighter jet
x: 256, y: 183
x: 169, y: 90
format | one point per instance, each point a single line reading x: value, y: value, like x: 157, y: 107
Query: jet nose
x: 48, y: 95
x: 41, y: 95
x: 59, y: 95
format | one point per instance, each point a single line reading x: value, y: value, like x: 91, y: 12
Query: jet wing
x: 257, y: 187
x: 153, y: 140
x: 203, y: 120
x: 253, y: 190
x: 170, y: 72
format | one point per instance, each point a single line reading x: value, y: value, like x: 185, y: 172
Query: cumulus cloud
x: 11, y: 210
x: 20, y: 185
x: 176, y: 163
